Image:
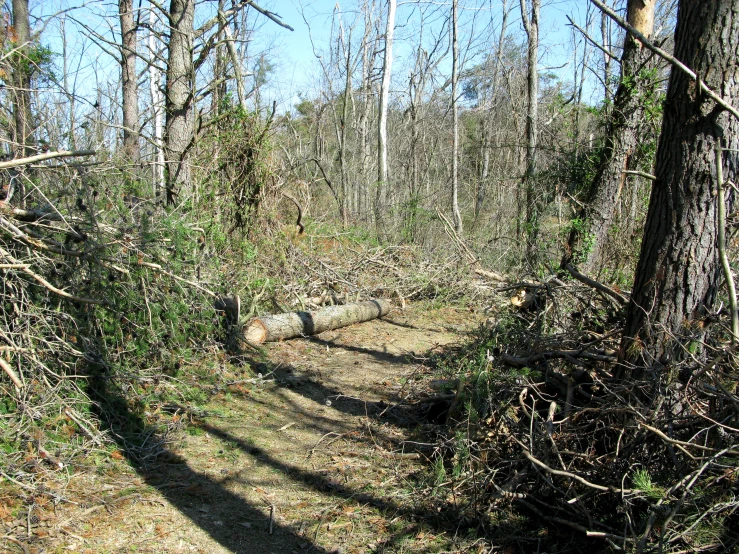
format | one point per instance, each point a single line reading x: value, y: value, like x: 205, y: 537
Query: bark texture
x: 678, y: 271
x: 180, y: 118
x: 626, y: 129
x: 297, y: 324
x: 129, y: 84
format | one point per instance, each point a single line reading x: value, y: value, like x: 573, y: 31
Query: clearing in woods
x: 320, y: 454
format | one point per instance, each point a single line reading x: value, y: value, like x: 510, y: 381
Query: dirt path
x: 318, y: 455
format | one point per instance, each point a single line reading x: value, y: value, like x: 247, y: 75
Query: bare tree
x: 530, y: 20
x: 22, y: 69
x: 382, y: 172
x: 485, y: 142
x: 157, y: 107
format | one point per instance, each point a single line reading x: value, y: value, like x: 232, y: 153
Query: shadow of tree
x: 226, y: 517
x: 379, y: 355
x: 320, y: 483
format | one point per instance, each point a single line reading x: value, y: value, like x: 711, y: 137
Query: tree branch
x: 672, y: 59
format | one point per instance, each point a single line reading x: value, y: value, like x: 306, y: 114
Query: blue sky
x: 295, y: 68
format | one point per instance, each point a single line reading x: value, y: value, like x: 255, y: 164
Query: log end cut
x: 255, y: 332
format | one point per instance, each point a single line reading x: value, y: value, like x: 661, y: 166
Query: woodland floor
x: 322, y: 453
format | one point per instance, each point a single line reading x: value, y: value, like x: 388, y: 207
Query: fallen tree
x: 278, y: 327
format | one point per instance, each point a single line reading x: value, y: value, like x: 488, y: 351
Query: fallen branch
x: 570, y: 475
x: 492, y: 275
x: 48, y: 156
x: 596, y: 285
x: 456, y: 239
x: 160, y: 269
x: 681, y: 444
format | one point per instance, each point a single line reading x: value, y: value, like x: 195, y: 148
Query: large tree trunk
x: 296, y: 324
x: 131, y: 148
x: 678, y: 271
x: 180, y: 118
x: 626, y: 129
x: 22, y: 69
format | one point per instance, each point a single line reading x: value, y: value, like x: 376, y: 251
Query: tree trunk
x: 634, y: 98
x: 382, y: 120
x: 297, y: 324
x: 131, y: 148
x: 22, y: 69
x: 455, y: 123
x: 156, y: 106
x: 531, y: 26
x: 486, y: 123
x: 678, y: 270
x: 180, y: 118
x: 343, y: 125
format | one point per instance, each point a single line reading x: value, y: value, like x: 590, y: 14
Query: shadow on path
x: 231, y: 521
x: 379, y: 355
x: 320, y: 483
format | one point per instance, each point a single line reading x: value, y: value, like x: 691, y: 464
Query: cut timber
x: 296, y: 324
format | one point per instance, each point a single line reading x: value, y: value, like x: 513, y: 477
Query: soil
x: 323, y: 452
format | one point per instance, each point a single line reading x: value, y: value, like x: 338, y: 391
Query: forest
x: 529, y: 203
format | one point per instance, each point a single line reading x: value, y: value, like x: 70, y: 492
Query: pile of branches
x: 557, y: 448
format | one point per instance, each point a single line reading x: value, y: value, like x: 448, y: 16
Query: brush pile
x: 557, y: 449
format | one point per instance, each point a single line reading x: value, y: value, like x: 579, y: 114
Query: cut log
x: 297, y: 324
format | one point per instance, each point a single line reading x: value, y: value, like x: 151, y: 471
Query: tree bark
x: 626, y: 129
x: 129, y: 84
x: 678, y: 270
x: 297, y: 324
x: 179, y: 115
x: 531, y: 26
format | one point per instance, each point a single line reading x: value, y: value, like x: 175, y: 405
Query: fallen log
x: 277, y: 327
